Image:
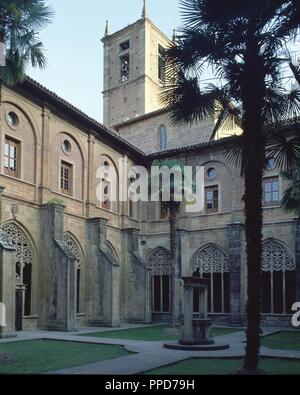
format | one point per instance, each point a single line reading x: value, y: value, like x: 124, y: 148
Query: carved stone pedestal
x: 197, y: 334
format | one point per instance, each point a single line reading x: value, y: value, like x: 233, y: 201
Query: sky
x: 74, y: 50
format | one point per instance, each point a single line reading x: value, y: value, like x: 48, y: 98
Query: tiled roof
x: 140, y: 118
x: 47, y: 96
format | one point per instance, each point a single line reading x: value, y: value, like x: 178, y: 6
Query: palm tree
x: 240, y: 42
x: 173, y: 207
x: 20, y: 23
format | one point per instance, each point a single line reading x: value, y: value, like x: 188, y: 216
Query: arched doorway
x: 278, y: 278
x: 24, y: 261
x: 160, y: 264
x: 74, y: 248
x: 211, y: 262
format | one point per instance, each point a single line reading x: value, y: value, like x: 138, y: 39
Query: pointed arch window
x: 278, y: 278
x: 73, y: 247
x: 163, y: 138
x: 211, y: 263
x: 160, y: 264
x: 23, y: 262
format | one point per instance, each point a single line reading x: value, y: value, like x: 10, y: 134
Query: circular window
x: 12, y: 119
x: 271, y: 164
x: 211, y: 173
x: 67, y: 147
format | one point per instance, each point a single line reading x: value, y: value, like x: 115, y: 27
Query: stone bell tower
x: 133, y: 70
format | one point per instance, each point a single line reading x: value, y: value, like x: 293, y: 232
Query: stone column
x: 104, y: 279
x: 58, y: 302
x: 188, y: 337
x: 91, y: 190
x: 7, y: 287
x: 235, y: 253
x: 137, y: 283
x: 297, y: 253
x: 45, y: 161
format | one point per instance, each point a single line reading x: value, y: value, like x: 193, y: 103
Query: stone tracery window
x: 73, y: 247
x: 278, y: 278
x: 211, y: 262
x: 160, y: 264
x: 23, y: 261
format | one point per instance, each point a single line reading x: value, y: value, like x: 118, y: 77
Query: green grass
x: 152, y: 333
x: 285, y: 340
x: 40, y: 356
x: 226, y: 366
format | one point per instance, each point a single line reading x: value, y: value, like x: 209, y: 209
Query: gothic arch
x: 210, y: 258
x: 74, y: 246
x: 160, y: 261
x: 25, y: 260
x: 276, y: 257
x: 278, y: 274
x: 161, y: 280
x: 211, y: 263
x: 112, y: 252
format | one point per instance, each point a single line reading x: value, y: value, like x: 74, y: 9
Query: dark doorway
x: 19, y: 310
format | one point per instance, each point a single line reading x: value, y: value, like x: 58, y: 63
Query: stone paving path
x: 147, y: 355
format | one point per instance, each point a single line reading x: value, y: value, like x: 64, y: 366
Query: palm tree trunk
x: 253, y: 165
x: 173, y: 246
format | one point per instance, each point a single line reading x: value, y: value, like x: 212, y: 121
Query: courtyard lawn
x: 152, y: 333
x: 41, y: 356
x: 226, y: 366
x: 285, y: 340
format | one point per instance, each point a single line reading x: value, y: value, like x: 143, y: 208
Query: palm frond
x: 186, y: 102
x: 284, y: 150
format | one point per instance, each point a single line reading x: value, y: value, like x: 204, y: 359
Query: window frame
x: 272, y: 202
x: 68, y: 192
x: 17, y: 145
x: 213, y: 210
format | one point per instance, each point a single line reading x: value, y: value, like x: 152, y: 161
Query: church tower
x: 133, y: 70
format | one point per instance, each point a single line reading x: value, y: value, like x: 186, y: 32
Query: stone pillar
x: 91, y: 193
x: 188, y: 336
x: 45, y: 164
x: 7, y: 287
x: 235, y: 253
x: 59, y: 287
x: 138, y: 286
x: 104, y: 279
x: 297, y: 253
x: 180, y: 252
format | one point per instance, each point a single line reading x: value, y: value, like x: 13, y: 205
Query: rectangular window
x: 212, y: 199
x: 124, y: 68
x: 271, y: 191
x: 66, y: 176
x: 161, y: 64
x: 11, y: 157
x: 125, y: 46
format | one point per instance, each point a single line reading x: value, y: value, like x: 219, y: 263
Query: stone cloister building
x: 66, y: 259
